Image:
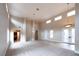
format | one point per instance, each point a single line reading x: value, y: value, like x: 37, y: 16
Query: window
x: 58, y: 18
x: 51, y: 33
x: 71, y: 13
x: 48, y: 21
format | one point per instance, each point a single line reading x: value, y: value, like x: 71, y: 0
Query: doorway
x: 69, y: 35
x: 36, y: 35
x: 16, y: 35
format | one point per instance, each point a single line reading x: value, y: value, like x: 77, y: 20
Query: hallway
x: 40, y: 48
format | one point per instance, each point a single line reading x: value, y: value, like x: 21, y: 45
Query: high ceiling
x: 38, y: 11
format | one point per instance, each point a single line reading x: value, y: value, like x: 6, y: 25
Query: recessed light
x: 37, y: 9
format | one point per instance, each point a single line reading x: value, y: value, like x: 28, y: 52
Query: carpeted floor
x: 39, y: 48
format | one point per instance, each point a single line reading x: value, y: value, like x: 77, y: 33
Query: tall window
x: 51, y: 33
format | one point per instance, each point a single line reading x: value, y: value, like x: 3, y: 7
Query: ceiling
x: 38, y: 11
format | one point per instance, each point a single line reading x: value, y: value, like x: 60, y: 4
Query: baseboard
x: 60, y: 42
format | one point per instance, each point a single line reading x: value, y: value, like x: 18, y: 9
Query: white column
x: 33, y: 31
x: 24, y: 31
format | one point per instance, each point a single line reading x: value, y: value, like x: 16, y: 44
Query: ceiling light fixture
x: 69, y: 25
x: 49, y: 21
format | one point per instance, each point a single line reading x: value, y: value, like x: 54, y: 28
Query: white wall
x: 44, y: 35
x: 57, y: 35
x: 26, y: 27
x: 4, y: 26
x: 17, y: 24
x: 77, y: 29
x: 57, y: 27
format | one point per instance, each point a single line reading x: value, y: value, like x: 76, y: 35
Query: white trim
x: 60, y: 42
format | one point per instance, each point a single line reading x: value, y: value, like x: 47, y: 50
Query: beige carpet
x: 40, y: 48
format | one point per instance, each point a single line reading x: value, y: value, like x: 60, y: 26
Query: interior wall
x: 26, y: 26
x: 77, y: 28
x: 4, y: 28
x: 17, y: 24
x: 57, y: 35
x: 57, y: 27
x: 29, y: 26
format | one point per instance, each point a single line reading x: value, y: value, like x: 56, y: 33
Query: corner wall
x: 77, y: 29
x: 4, y: 27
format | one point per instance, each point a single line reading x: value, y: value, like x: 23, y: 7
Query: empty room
x: 39, y: 29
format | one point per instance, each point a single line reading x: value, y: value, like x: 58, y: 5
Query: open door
x: 16, y: 35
